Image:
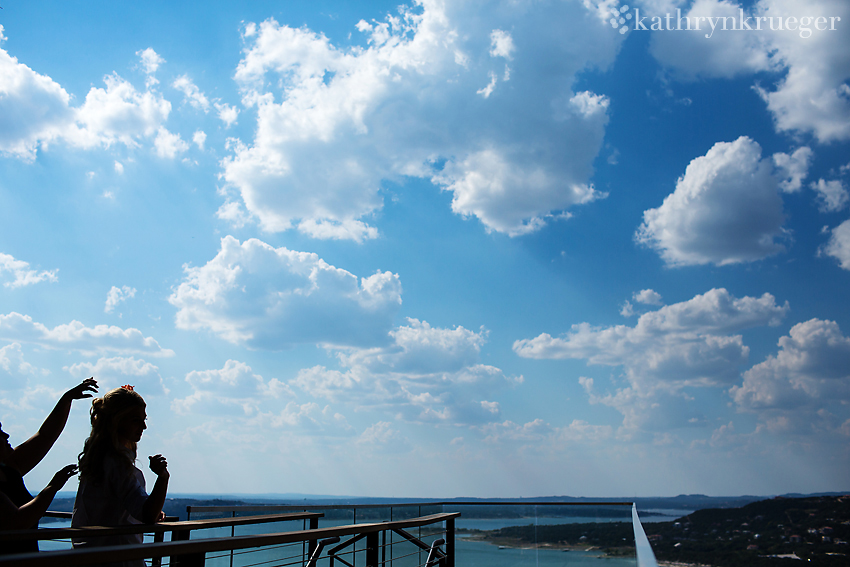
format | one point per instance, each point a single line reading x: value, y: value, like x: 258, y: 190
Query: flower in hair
x: 127, y: 387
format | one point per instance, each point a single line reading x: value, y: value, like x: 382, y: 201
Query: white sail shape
x: 645, y: 556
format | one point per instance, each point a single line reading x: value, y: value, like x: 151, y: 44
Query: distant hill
x: 764, y: 533
x: 767, y: 532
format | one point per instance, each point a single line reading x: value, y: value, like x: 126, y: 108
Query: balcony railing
x: 297, y: 547
x: 406, y: 534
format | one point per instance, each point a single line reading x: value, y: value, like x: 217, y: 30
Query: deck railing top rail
x: 161, y: 527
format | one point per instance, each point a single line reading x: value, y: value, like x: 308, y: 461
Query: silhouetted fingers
x: 62, y: 476
x: 158, y: 464
x: 83, y: 389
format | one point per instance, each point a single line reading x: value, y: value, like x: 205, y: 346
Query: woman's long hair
x: 106, y: 414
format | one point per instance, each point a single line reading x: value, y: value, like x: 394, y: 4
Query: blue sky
x: 443, y: 249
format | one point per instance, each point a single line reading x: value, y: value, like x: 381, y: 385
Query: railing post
x: 450, y: 542
x: 232, y: 533
x: 312, y: 544
x: 157, y: 537
x: 193, y: 560
x: 372, y: 557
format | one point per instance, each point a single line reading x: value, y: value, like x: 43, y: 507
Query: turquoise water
x: 480, y: 554
x: 498, y: 523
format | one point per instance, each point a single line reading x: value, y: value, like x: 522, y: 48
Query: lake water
x: 480, y: 554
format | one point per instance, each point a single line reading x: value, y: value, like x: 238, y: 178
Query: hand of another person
x: 159, y: 465
x: 83, y: 390
x: 61, y: 477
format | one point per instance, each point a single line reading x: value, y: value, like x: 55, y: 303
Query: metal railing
x: 374, y: 535
x: 193, y: 553
x: 495, y: 510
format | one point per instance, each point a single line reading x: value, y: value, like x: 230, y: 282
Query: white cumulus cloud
x: 117, y: 114
x: 427, y: 374
x: 119, y: 370
x: 192, y: 93
x: 227, y: 113
x: 33, y: 108
x: 271, y: 298
x: 795, y: 168
x: 684, y: 345
x: 35, y: 111
x: 168, y: 145
x: 116, y: 295
x: 806, y: 385
x: 812, y: 95
x: 839, y: 244
x: 232, y: 389
x: 150, y: 61
x: 726, y: 209
x: 76, y: 336
x: 501, y: 44
x: 22, y: 273
x: 328, y: 131
x: 647, y: 297
x: 832, y: 196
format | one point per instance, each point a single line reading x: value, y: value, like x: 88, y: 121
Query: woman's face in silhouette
x: 132, y: 425
x: 6, y: 450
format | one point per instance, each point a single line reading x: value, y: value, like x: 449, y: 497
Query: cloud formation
x: 726, y: 209
x: 647, y: 297
x: 383, y: 438
x: 35, y: 111
x: 198, y: 100
x: 22, y: 272
x: 832, y: 196
x: 839, y: 244
x: 806, y: 385
x: 540, y: 433
x: 272, y: 298
x: 812, y: 95
x: 427, y: 374
x: 117, y: 295
x: 33, y: 107
x: 684, y: 345
x: 78, y: 337
x: 117, y: 371
x: 234, y: 389
x: 14, y: 368
x: 480, y: 116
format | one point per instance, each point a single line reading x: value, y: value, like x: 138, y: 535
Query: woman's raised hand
x: 61, y: 477
x: 159, y: 465
x: 82, y: 390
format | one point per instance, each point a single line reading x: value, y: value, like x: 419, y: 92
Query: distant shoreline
x: 623, y: 551
x: 515, y: 543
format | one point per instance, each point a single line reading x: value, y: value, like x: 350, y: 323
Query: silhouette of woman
x: 112, y: 489
x: 18, y: 508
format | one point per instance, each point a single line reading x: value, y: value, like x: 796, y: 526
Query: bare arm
x: 20, y: 518
x: 29, y: 453
x: 152, y: 508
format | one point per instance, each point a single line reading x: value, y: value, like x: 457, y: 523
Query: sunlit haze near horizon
x: 448, y: 248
